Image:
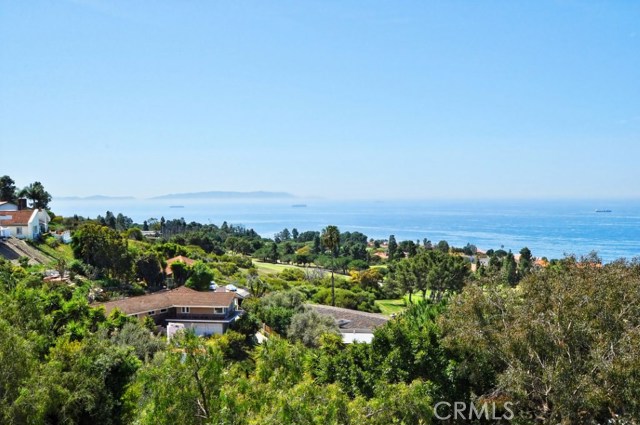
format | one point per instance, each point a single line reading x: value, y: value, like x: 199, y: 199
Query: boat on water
x: 299, y: 206
x: 603, y: 211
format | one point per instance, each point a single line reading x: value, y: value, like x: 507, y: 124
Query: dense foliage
x: 562, y: 346
x: 558, y: 341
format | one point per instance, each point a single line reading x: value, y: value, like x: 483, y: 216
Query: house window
x: 163, y: 310
x: 218, y: 310
x: 18, y: 230
x: 152, y: 313
x: 185, y: 310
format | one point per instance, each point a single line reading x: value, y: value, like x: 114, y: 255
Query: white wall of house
x: 202, y: 328
x: 33, y: 227
x: 43, y: 219
x: 20, y: 232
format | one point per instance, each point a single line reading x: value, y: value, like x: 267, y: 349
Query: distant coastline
x: 93, y: 198
x: 548, y: 228
x: 189, y: 195
x: 227, y: 195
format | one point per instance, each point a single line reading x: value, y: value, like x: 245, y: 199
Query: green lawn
x: 389, y: 307
x: 61, y: 251
x: 271, y: 268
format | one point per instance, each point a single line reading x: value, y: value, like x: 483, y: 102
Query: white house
x: 24, y: 224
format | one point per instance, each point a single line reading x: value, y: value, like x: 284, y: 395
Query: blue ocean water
x: 548, y: 228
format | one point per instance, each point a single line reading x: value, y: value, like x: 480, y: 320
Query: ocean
x: 549, y: 228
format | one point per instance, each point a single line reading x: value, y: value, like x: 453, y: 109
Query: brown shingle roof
x: 179, y: 297
x: 351, y: 319
x: 15, y: 218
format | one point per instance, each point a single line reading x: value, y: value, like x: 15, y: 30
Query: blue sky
x: 338, y: 99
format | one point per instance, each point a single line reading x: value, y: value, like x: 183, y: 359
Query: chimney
x: 22, y: 204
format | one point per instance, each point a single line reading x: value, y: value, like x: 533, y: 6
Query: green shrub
x: 292, y: 275
x: 227, y: 269
x: 134, y: 233
x: 52, y: 242
x: 359, y: 300
x: 201, y: 277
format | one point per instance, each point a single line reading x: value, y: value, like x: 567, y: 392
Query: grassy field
x: 389, y: 307
x: 271, y: 268
x: 61, y: 251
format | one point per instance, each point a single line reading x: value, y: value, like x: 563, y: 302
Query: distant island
x: 92, y: 198
x: 191, y: 195
x: 227, y: 195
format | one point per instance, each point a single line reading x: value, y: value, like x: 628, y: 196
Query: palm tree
x: 331, y: 240
x: 35, y: 192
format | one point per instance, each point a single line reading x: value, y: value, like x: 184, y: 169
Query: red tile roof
x: 180, y: 297
x: 179, y: 258
x: 15, y: 218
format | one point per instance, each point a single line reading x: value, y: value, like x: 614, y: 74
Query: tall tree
x: 446, y: 273
x: 510, y: 269
x: 443, y: 246
x: 317, y: 246
x: 331, y: 240
x: 403, y: 274
x: 148, y: 268
x: 39, y: 197
x: 525, y: 263
x: 103, y: 248
x: 273, y: 252
x: 392, y: 248
x: 420, y: 266
x: 8, y: 189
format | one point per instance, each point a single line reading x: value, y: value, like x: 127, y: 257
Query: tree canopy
x: 8, y: 191
x: 35, y: 192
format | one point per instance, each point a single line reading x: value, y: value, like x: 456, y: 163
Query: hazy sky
x: 367, y: 99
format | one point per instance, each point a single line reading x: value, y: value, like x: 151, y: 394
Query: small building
x: 354, y: 325
x: 207, y: 313
x: 24, y: 223
x: 178, y: 259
